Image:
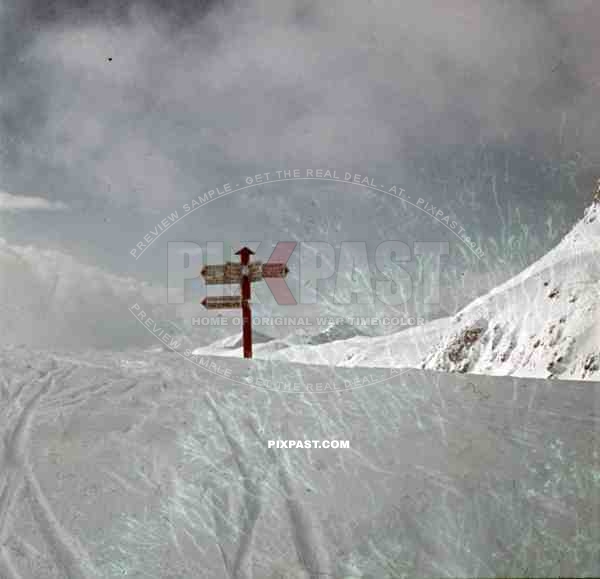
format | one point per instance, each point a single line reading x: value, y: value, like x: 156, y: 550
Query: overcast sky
x: 116, y: 112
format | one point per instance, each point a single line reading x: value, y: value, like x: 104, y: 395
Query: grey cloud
x: 447, y: 98
x: 266, y: 82
x: 10, y: 202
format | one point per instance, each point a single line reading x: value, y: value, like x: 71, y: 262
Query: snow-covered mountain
x: 234, y: 341
x: 265, y: 346
x: 335, y: 332
x: 544, y: 322
x: 404, y: 349
x: 50, y: 299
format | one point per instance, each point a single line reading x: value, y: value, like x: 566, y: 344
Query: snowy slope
x: 264, y: 345
x: 49, y: 299
x: 402, y: 350
x: 149, y: 467
x: 332, y: 347
x: 234, y: 342
x: 544, y: 322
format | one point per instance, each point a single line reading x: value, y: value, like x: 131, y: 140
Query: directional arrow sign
x: 230, y: 273
x: 222, y: 302
x: 274, y: 270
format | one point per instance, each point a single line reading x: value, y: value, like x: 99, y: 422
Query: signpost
x: 226, y: 302
x: 230, y: 273
x: 243, y: 273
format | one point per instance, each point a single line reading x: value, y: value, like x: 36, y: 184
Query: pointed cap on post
x: 244, y: 254
x: 245, y: 251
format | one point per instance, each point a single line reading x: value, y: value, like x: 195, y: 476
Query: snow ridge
x: 544, y: 322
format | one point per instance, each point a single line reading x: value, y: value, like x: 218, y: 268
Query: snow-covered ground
x: 147, y: 466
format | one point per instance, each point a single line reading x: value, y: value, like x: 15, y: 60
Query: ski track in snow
x: 252, y: 503
x: 17, y: 480
x: 304, y: 530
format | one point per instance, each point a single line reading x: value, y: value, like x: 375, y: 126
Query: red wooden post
x: 244, y: 254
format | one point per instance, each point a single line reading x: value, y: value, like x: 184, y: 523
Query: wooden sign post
x: 243, y: 273
x: 244, y: 254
